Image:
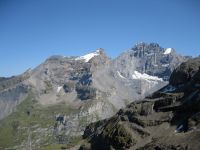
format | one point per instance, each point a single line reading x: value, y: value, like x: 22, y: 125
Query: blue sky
x: 32, y: 30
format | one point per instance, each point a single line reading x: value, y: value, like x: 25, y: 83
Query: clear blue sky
x: 32, y: 30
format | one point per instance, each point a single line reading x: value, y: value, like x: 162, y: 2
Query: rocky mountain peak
x: 154, y: 59
x: 143, y: 49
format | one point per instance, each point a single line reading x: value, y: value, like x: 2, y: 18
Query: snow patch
x: 165, y: 65
x: 89, y: 56
x: 155, y: 65
x: 167, y: 51
x: 120, y: 75
x: 59, y: 88
x: 144, y: 76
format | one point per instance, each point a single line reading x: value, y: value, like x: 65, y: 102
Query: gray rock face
x: 12, y: 92
x: 151, y: 59
x: 10, y: 98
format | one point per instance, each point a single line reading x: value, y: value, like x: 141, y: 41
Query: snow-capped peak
x: 167, y: 51
x: 144, y: 76
x: 89, y: 56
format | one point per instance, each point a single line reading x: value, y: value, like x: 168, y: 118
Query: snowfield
x: 89, y: 56
x: 144, y: 76
x: 167, y: 51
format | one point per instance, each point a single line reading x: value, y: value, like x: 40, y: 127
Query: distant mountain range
x: 54, y: 102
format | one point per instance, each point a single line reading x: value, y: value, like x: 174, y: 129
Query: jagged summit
x: 153, y: 59
x: 143, y: 49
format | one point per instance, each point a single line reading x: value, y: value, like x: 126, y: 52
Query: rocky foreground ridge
x: 169, y: 119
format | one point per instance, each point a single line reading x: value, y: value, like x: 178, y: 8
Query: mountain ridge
x: 64, y: 94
